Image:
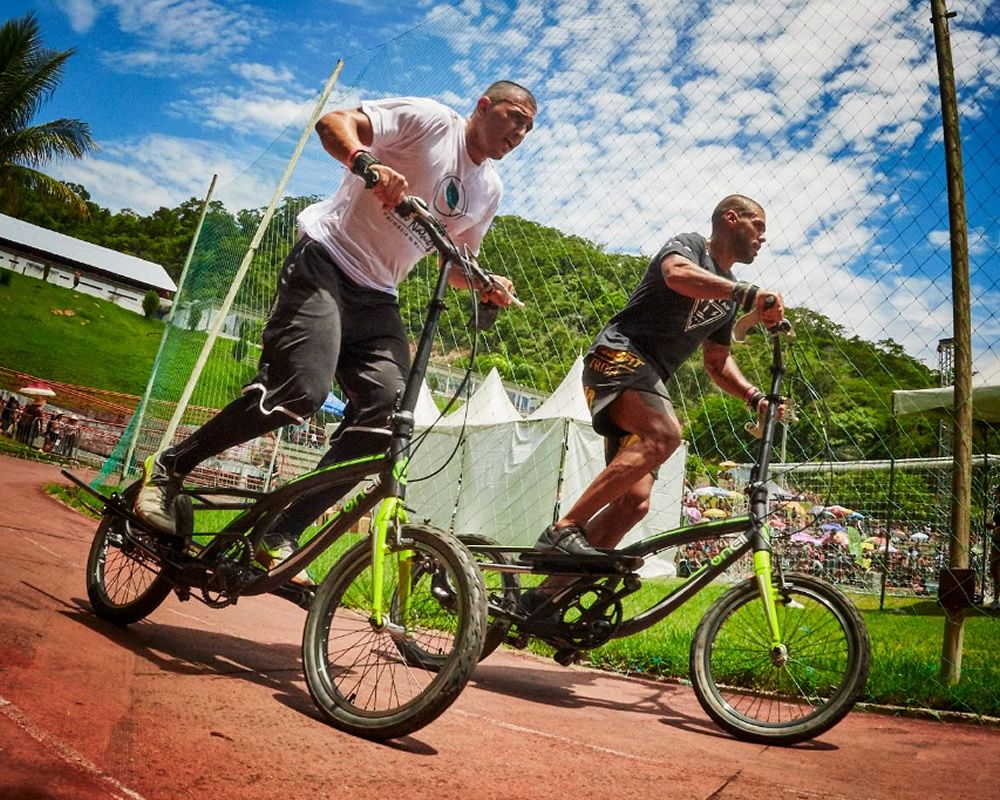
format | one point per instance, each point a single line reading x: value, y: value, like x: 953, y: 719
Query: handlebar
x: 412, y: 207
x: 743, y: 325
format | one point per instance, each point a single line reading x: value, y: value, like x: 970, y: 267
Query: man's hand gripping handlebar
x: 490, y: 286
x: 770, y: 312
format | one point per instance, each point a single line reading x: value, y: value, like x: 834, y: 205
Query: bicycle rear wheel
x: 124, y: 584
x: 790, y: 693
x: 367, y: 675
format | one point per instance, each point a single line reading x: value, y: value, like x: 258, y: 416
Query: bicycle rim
x: 389, y: 679
x: 785, y: 696
x: 124, y: 584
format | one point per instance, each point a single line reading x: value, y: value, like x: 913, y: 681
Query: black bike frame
x: 751, y: 532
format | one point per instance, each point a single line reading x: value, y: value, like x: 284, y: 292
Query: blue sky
x: 651, y: 110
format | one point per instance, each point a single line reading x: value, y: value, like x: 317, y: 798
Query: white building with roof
x: 75, y: 264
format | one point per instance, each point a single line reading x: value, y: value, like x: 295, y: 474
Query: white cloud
x: 180, y: 36
x: 247, y: 111
x: 80, y: 13
x: 263, y: 73
x: 158, y: 170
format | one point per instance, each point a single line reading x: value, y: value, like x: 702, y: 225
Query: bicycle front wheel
x: 124, y: 583
x: 366, y: 674
x: 787, y: 693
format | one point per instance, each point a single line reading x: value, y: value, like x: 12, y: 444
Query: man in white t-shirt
x: 336, y: 313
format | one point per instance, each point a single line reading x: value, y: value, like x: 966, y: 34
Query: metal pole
x: 141, y: 410
x: 958, y: 556
x: 213, y: 334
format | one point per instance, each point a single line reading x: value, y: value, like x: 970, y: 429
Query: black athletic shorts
x: 606, y: 374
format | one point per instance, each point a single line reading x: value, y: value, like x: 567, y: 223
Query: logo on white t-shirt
x: 449, y: 197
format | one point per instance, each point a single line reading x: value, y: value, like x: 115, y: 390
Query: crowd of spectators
x: 838, y: 543
x: 31, y: 425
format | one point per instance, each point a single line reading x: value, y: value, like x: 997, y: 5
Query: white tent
x: 426, y: 413
x: 940, y: 402
x: 509, y: 477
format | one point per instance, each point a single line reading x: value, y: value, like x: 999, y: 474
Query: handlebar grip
x: 408, y: 205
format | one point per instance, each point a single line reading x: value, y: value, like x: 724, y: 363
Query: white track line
x: 64, y: 751
x: 564, y: 739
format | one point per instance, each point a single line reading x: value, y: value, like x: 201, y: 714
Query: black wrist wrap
x: 745, y: 294
x: 362, y: 167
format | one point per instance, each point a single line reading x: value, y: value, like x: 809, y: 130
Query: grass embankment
x: 63, y: 335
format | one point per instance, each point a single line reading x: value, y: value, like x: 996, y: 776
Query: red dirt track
x: 202, y: 703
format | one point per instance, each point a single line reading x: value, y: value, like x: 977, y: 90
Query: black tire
x: 123, y: 583
x: 501, y: 586
x: 789, y: 696
x: 369, y: 680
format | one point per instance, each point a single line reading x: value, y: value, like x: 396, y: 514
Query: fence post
x: 958, y: 556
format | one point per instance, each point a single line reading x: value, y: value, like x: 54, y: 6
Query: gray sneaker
x: 268, y: 556
x: 155, y: 500
x: 569, y: 541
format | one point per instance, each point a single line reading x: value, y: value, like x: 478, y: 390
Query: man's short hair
x: 739, y: 203
x: 508, y: 90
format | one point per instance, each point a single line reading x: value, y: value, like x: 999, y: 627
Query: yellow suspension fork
x: 768, y: 592
x: 390, y: 511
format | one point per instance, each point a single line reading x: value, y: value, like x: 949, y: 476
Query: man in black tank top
x: 688, y: 297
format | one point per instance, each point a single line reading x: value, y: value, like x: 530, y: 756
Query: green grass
x: 103, y: 346
x: 88, y: 347
x: 906, y: 651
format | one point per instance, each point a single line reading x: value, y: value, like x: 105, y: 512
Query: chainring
x: 589, y: 615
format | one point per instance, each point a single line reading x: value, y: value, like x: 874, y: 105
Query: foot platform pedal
x: 609, y: 562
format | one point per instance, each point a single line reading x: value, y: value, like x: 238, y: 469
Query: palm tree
x: 29, y: 73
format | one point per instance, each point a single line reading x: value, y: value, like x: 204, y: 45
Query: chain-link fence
x: 649, y: 113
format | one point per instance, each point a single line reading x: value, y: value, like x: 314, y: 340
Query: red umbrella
x: 38, y: 389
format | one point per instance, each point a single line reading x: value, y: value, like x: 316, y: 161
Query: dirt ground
x: 202, y: 703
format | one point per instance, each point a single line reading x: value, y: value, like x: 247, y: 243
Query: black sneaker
x: 569, y: 541
x: 155, y: 501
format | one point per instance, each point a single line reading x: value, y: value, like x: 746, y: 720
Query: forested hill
x: 570, y: 286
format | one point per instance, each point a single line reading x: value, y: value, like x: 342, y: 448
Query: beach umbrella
x: 37, y: 389
x: 818, y: 511
x: 693, y: 513
x: 832, y: 526
x: 803, y: 538
x: 919, y: 537
x: 855, y: 515
x: 715, y: 513
x: 777, y: 523
x: 728, y: 465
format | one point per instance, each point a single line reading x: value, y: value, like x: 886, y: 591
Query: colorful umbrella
x: 37, y: 389
x: 715, y: 513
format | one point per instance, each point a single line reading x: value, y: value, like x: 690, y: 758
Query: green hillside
x: 63, y: 335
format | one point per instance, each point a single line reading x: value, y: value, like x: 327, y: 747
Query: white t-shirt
x: 425, y: 142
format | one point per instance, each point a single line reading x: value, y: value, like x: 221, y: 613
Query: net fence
x: 650, y: 112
